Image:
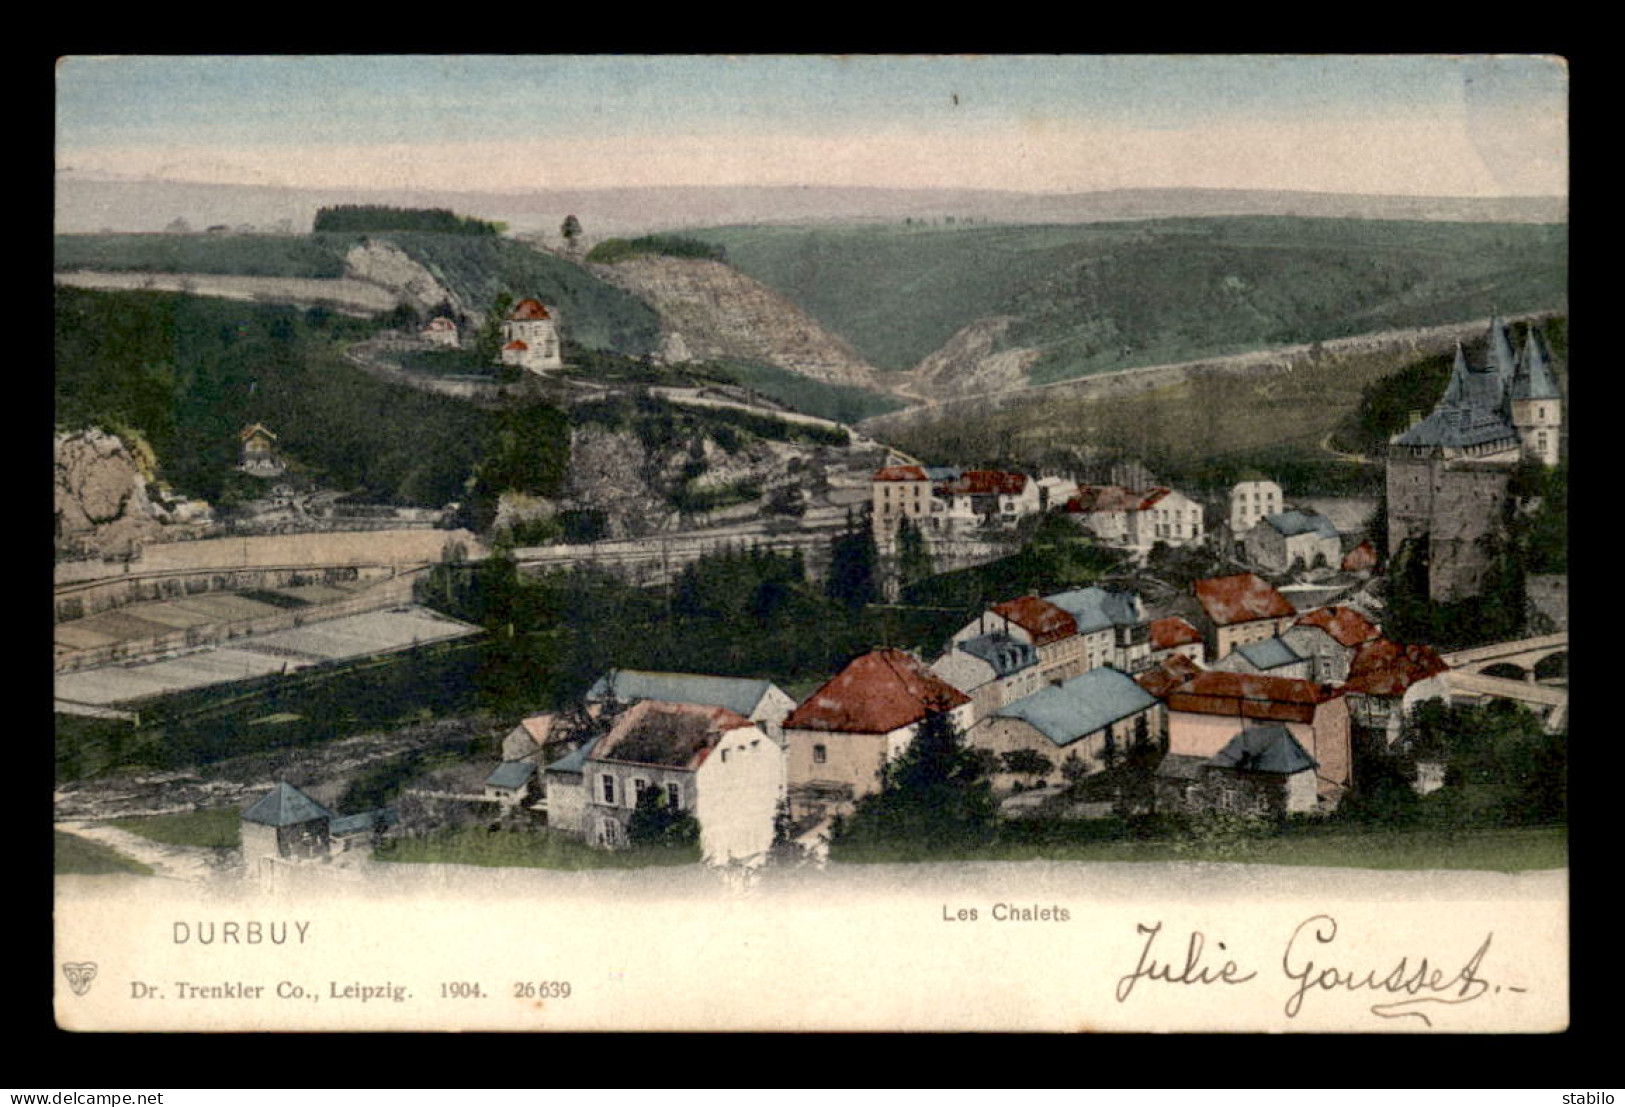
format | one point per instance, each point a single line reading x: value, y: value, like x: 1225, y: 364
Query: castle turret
x: 1537, y: 405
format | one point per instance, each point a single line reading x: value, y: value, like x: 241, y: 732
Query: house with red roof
x: 1329, y: 637
x: 1386, y: 680
x: 1050, y: 629
x: 1173, y: 635
x: 898, y: 492
x: 840, y: 737
x: 1241, y: 608
x: 981, y: 495
x: 1362, y: 559
x: 530, y: 338
x: 1208, y: 710
x: 705, y: 760
x: 1136, y: 520
x: 441, y: 331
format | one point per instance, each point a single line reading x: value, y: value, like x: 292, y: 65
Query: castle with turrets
x: 1448, y: 474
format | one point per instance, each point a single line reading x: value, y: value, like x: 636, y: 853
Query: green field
x: 218, y: 828
x: 1506, y: 851
x: 1105, y: 296
x: 80, y: 856
x: 522, y: 849
x: 242, y: 255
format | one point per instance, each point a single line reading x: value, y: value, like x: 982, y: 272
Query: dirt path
x: 189, y: 863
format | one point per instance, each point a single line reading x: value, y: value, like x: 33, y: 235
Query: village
x: 1240, y: 662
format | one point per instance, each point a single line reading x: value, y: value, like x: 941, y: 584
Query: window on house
x: 608, y: 784
x: 609, y: 831
x: 674, y: 796
x: 820, y: 754
x: 639, y: 786
x: 724, y: 757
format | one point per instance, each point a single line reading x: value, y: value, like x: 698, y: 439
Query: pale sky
x: 1409, y: 124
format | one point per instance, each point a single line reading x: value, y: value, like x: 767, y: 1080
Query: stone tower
x: 1536, y: 404
x: 1448, y: 475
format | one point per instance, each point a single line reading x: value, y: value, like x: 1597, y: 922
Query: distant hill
x: 1070, y: 301
x: 86, y: 203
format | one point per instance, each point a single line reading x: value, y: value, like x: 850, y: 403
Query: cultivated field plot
x: 153, y: 620
x: 276, y: 652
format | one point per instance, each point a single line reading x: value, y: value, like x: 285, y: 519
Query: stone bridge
x: 1550, y: 703
x: 1527, y: 658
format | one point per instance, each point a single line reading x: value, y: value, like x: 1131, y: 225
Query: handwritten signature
x: 1419, y: 979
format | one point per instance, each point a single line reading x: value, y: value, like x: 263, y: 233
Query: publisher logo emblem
x: 79, y: 974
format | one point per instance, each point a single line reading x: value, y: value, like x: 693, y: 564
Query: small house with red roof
x: 841, y: 736
x: 1362, y: 559
x: 1241, y: 608
x: 441, y: 331
x: 1206, y: 712
x: 980, y: 495
x: 530, y: 338
x: 1173, y: 635
x: 1329, y: 637
x: 1386, y: 680
x: 709, y: 761
x: 1050, y: 629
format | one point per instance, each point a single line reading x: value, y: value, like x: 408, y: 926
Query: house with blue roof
x: 760, y: 701
x: 1088, y: 720
x: 1112, y: 624
x: 288, y: 825
x: 1293, y: 539
x: 512, y: 783
x: 1262, y: 770
x: 993, y: 669
x: 1273, y: 656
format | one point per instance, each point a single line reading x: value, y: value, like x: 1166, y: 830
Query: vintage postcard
x: 906, y: 543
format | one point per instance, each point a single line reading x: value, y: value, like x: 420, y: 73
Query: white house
x: 1112, y: 624
x: 1136, y: 521
x: 1252, y: 500
x: 760, y: 701
x: 530, y: 338
x: 1293, y: 539
x: 709, y: 761
x: 440, y: 331
x: 993, y: 669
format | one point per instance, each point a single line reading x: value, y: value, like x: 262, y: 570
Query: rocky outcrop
x: 105, y: 489
x: 391, y: 268
x: 609, y: 472
x: 615, y: 473
x: 711, y: 310
x: 970, y: 362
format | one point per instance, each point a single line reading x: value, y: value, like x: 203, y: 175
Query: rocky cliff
x: 108, y: 499
x: 970, y: 363
x: 711, y: 310
x: 391, y: 268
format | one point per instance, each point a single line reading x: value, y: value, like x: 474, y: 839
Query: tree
x: 488, y: 346
x: 913, y: 557
x: 570, y: 230
x: 934, y: 795
x: 853, y: 571
x: 656, y: 823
